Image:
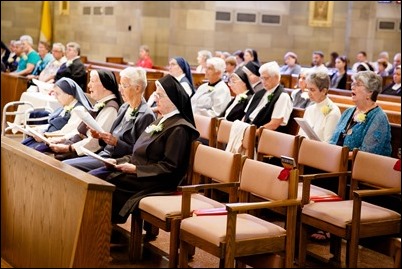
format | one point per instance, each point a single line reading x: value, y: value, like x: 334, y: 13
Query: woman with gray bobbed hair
x: 366, y: 125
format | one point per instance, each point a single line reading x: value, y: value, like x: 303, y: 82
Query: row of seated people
x: 67, y: 87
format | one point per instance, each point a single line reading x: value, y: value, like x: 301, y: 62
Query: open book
x: 307, y: 129
x: 43, y: 87
x: 96, y: 156
x: 90, y: 121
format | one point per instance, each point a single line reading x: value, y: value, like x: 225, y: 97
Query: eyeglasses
x: 264, y: 78
x: 124, y: 86
x: 355, y: 84
x: 233, y: 81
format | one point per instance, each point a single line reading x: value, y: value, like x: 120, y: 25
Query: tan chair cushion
x: 340, y: 213
x: 314, y: 191
x: 170, y: 205
x: 213, y: 228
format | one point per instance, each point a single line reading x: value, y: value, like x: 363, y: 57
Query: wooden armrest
x: 198, y: 187
x: 377, y: 192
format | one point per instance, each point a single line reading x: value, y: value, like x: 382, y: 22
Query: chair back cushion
x: 376, y: 170
x: 267, y: 186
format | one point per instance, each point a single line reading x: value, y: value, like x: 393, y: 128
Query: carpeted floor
x: 155, y: 253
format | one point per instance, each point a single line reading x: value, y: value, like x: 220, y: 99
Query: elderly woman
x: 364, y: 126
x: 104, y: 90
x: 291, y: 65
x: 65, y: 119
x: 240, y: 85
x: 212, y: 97
x: 180, y: 69
x: 160, y: 156
x: 300, y: 97
x: 323, y: 115
x: 132, y: 119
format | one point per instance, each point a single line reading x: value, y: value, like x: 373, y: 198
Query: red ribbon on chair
x: 397, y: 165
x: 284, y: 174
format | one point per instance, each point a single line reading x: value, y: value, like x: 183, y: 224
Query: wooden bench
x: 52, y: 214
x: 11, y: 88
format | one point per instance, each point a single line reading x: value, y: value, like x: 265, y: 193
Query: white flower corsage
x: 360, y: 117
x: 69, y: 62
x: 152, y: 129
x: 210, y: 89
x: 98, y: 106
x: 68, y: 109
x: 10, y: 60
x: 304, y: 95
x: 18, y: 59
x: 326, y: 109
x: 242, y: 97
x: 24, y: 57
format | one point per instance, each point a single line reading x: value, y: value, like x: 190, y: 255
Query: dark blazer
x: 264, y: 115
x: 130, y: 132
x: 237, y: 112
x: 162, y: 161
x: 342, y: 81
x: 76, y: 71
x: 388, y: 90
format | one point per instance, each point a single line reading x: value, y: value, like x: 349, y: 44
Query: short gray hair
x: 320, y: 79
x: 136, y: 75
x: 271, y: 68
x: 371, y: 81
x: 218, y: 63
x: 27, y: 38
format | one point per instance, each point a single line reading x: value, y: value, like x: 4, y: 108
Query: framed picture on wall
x: 321, y: 13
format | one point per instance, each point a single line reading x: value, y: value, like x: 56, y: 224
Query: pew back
x: 52, y: 214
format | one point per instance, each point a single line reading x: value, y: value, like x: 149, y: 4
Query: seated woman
x: 160, y: 157
x: 63, y: 120
x: 324, y: 114
x: 339, y: 77
x: 395, y: 87
x: 132, y: 119
x: 300, y: 97
x: 240, y: 85
x: 104, y: 90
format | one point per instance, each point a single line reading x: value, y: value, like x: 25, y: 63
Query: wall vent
x: 223, y: 16
x: 109, y: 10
x: 270, y: 19
x: 246, y: 17
x: 86, y: 11
x: 386, y: 25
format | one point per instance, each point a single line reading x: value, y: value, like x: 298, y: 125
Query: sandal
x: 320, y: 236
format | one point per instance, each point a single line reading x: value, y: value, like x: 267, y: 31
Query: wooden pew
x: 11, y: 88
x: 117, y: 60
x: 380, y: 97
x: 386, y: 105
x: 52, y: 214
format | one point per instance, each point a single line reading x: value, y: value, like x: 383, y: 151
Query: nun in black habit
x: 160, y: 156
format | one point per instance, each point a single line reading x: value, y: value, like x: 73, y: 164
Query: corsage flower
x: 152, y: 129
x: 210, y: 89
x: 270, y: 96
x: 24, y: 57
x: 98, y: 106
x: 17, y: 59
x: 134, y: 113
x: 242, y: 97
x: 360, y: 117
x: 68, y: 109
x: 326, y: 109
x: 10, y: 60
x: 69, y: 62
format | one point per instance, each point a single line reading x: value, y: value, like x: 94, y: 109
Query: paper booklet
x: 38, y: 134
x: 89, y: 120
x: 307, y: 129
x: 96, y: 156
x: 18, y: 128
